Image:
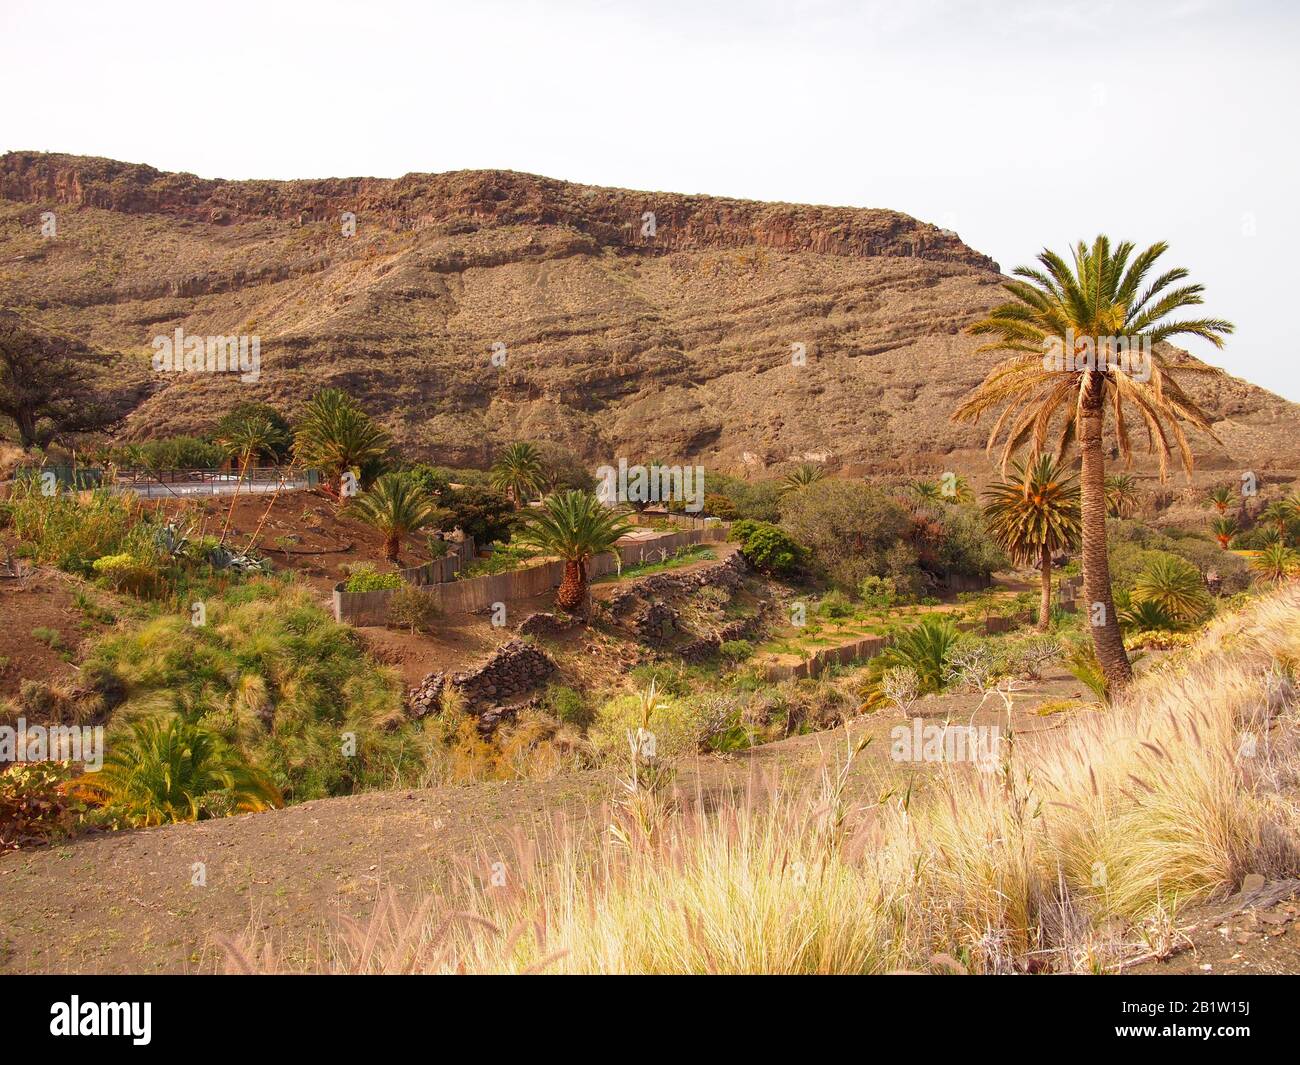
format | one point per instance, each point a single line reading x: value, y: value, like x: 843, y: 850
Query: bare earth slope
x: 675, y: 343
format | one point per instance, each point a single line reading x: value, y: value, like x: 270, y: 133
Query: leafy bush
x: 483, y: 513
x: 753, y: 500
x: 766, y: 547
x: 126, y: 573
x: 364, y: 578
x: 678, y: 724
x: 36, y: 805
x: 879, y: 593
x: 835, y: 605
x: 716, y: 505
x: 568, y: 705
x: 849, y: 528
x: 736, y: 650
x: 411, y: 608
x: 170, y: 453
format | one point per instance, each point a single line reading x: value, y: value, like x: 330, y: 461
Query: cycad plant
x: 1033, y: 515
x: 1274, y: 563
x: 576, y: 527
x: 1175, y: 586
x: 1070, y: 333
x: 519, y: 472
x: 174, y: 771
x: 397, y: 506
x: 337, y: 437
x: 923, y: 648
x: 1221, y: 498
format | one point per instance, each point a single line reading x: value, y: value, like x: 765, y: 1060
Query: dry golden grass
x: 1070, y: 855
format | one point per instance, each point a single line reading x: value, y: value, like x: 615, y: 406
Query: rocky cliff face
x: 474, y: 308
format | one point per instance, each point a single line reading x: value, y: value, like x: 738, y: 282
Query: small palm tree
x: 244, y: 440
x: 1221, y: 498
x: 1280, y: 515
x: 1122, y: 494
x: 1175, y: 586
x: 924, y: 648
x: 576, y: 527
x: 337, y: 437
x: 1075, y: 310
x: 397, y: 506
x: 926, y: 491
x: 519, y: 473
x: 802, y: 477
x: 1145, y: 616
x: 1034, y: 515
x: 1225, y: 528
x: 173, y: 772
x: 1274, y: 563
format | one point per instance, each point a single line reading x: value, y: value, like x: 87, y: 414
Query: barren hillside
x: 677, y: 343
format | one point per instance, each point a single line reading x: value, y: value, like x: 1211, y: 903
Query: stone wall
x: 512, y: 670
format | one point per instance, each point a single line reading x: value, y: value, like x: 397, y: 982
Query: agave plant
x: 576, y: 527
x: 397, y: 506
x: 1175, y: 586
x: 519, y: 472
x: 175, y: 771
x: 337, y: 437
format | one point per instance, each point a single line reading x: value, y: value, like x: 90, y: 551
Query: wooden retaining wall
x: 479, y: 593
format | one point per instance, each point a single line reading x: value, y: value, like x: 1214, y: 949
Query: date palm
x: 801, y: 477
x: 1122, y: 494
x: 1279, y: 513
x: 1225, y: 528
x: 397, y: 505
x: 338, y: 438
x: 518, y: 472
x: 576, y: 527
x: 1173, y: 585
x: 1034, y: 515
x: 1068, y: 309
x: 1221, y: 498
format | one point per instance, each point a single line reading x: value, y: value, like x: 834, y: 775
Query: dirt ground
x: 128, y: 901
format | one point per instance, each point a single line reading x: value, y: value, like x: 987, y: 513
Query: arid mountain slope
x: 619, y: 339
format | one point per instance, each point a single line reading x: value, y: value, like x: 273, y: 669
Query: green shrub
x: 879, y: 593
x: 36, y: 804
x: 568, y: 705
x: 411, y: 608
x: 364, y: 578
x: 126, y: 573
x: 736, y: 650
x: 766, y: 547
x: 835, y: 605
x: 679, y: 727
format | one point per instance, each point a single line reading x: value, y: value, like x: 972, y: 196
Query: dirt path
x: 128, y: 901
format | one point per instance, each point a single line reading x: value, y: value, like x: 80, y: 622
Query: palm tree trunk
x: 1045, y: 604
x: 571, y: 593
x: 1098, y: 603
x: 392, y: 547
x: 243, y: 469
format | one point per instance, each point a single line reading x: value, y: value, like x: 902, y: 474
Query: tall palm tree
x: 1069, y: 311
x: 397, y: 506
x: 337, y: 437
x: 575, y: 526
x: 1122, y: 494
x: 1034, y: 515
x: 1225, y: 528
x: 518, y: 472
x: 803, y: 476
x: 169, y: 772
x: 244, y: 440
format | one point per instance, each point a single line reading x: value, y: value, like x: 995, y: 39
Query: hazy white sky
x: 1018, y: 124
